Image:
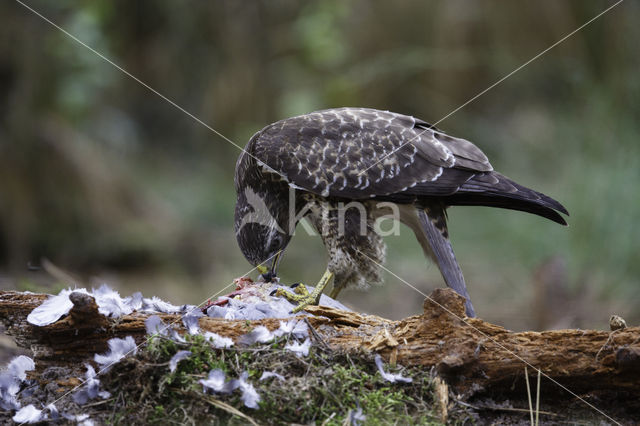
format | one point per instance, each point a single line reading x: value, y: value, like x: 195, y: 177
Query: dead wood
x: 470, y: 354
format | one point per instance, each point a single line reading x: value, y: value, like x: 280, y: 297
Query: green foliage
x: 100, y: 175
x: 324, y: 386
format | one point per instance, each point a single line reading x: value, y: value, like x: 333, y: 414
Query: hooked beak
x: 268, y: 269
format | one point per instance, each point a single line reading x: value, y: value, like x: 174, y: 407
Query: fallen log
x: 471, y: 355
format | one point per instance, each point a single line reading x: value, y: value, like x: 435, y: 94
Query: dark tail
x: 434, y: 227
x: 495, y: 190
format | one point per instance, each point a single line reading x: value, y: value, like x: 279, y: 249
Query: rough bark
x: 470, y: 354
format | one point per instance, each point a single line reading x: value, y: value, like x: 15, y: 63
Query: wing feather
x: 361, y: 153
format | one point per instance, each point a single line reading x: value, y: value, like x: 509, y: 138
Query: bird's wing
x: 360, y: 153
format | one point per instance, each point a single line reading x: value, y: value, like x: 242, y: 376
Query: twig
x: 115, y: 405
x: 59, y: 274
x: 347, y: 418
x: 526, y: 379
x: 316, y: 336
x: 514, y: 410
x: 328, y: 419
x: 95, y: 404
x: 221, y: 405
x: 538, y: 398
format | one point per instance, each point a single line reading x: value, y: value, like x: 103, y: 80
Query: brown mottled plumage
x: 371, y: 156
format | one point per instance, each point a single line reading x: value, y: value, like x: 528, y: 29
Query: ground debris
x: 153, y: 365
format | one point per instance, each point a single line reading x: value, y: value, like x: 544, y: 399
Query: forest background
x: 113, y: 185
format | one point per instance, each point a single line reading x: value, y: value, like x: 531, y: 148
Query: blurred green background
x: 114, y: 185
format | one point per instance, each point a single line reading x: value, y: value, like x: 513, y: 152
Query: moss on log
x: 472, y: 355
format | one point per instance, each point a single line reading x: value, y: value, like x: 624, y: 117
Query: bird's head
x: 261, y: 218
x: 263, y: 247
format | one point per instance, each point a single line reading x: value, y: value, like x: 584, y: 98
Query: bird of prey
x: 358, y: 158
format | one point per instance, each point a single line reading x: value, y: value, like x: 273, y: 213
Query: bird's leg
x: 335, y: 291
x: 303, y: 297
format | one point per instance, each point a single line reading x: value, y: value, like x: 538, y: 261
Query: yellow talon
x: 301, y: 289
x: 302, y: 296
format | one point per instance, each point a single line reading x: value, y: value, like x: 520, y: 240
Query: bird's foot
x: 302, y: 296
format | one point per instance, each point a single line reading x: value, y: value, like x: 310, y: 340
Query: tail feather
x: 495, y: 190
x: 434, y: 227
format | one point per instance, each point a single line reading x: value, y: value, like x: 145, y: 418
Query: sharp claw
x: 301, y: 289
x: 301, y: 295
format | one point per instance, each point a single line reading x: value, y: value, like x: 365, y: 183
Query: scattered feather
x: 255, y: 303
x: 155, y: 304
x: 268, y: 374
x: 9, y: 387
x: 108, y: 300
x: 20, y: 365
x: 110, y: 303
x: 252, y: 309
x: 260, y: 334
x: 29, y: 414
x: 10, y: 381
x: 216, y: 382
x: 300, y: 349
x: 390, y: 377
x: 249, y: 395
x: 357, y: 417
x: 52, y: 309
x: 76, y: 418
x: 179, y: 356
x: 296, y: 328
x: 91, y: 388
x: 217, y: 340
x: 155, y: 325
x: 175, y: 336
x: 191, y: 321
x: 53, y: 410
x: 118, y: 349
x: 216, y: 311
x: 134, y: 301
